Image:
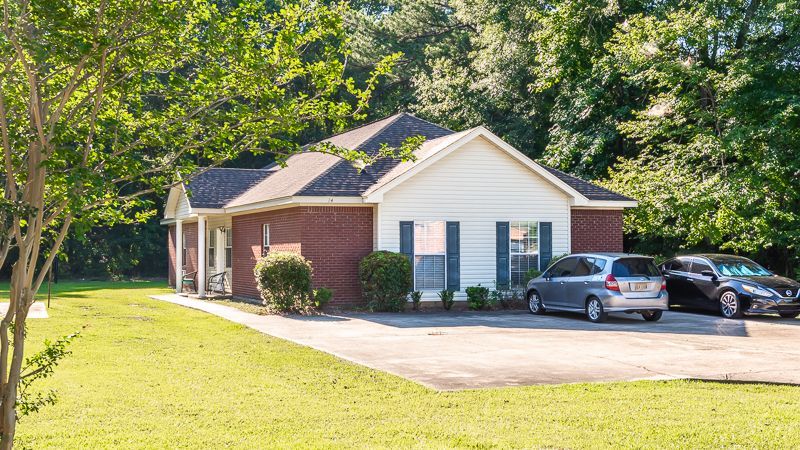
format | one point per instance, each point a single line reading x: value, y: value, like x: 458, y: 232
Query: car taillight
x: 611, y: 283
x: 663, y: 284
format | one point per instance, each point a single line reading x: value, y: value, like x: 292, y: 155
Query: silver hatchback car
x: 599, y: 283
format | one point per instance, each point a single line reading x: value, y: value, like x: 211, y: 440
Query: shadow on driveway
x: 672, y: 322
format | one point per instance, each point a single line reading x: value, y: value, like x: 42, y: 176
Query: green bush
x: 416, y: 297
x: 478, y: 297
x: 321, y: 297
x: 385, y: 280
x: 447, y: 299
x: 284, y: 281
x: 531, y: 274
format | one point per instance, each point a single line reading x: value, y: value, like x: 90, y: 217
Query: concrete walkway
x: 462, y: 350
x: 38, y: 310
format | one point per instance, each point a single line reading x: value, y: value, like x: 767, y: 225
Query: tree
x: 103, y: 102
x: 717, y: 127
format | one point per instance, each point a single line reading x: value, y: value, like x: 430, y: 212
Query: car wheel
x: 595, y: 311
x: 652, y: 316
x: 787, y: 315
x: 535, y: 305
x: 730, y: 306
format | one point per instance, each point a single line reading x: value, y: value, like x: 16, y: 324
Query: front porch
x: 203, y: 256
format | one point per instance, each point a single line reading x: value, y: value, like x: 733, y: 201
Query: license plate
x: 640, y: 286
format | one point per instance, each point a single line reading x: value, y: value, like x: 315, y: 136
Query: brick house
x: 470, y: 209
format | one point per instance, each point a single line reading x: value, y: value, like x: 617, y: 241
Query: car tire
x: 652, y: 316
x: 787, y: 315
x: 595, y: 311
x: 535, y: 305
x: 730, y: 306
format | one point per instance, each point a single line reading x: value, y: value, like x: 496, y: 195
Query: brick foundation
x: 333, y: 238
x: 596, y: 230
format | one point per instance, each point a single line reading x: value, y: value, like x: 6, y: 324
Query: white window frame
x: 184, y: 250
x: 228, y: 247
x: 212, y: 248
x: 415, y: 254
x: 264, y: 239
x: 511, y: 252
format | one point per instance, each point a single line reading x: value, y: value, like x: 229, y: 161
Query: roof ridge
x: 230, y: 168
x: 428, y: 121
x: 395, y: 118
x: 352, y: 129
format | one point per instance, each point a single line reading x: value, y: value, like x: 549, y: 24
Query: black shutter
x: 407, y: 241
x: 503, y: 266
x: 453, y: 257
x: 546, y: 244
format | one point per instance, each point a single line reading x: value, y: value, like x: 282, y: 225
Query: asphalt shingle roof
x: 587, y: 189
x: 317, y: 174
x: 215, y: 187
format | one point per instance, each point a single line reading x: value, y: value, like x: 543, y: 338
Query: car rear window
x: 634, y: 267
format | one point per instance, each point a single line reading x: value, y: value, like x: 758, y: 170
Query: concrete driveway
x: 461, y: 350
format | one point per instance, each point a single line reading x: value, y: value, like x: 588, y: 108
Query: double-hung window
x: 212, y: 248
x: 228, y: 248
x: 524, y: 250
x: 429, y: 256
x: 264, y: 239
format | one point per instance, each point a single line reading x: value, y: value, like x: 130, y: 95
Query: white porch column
x: 220, y: 250
x: 178, y: 255
x: 202, y: 250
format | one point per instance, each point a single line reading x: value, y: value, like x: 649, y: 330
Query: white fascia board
x: 608, y: 204
x: 375, y: 195
x: 299, y: 200
x: 207, y: 211
x: 172, y: 200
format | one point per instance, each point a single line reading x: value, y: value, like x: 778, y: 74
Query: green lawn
x: 154, y: 375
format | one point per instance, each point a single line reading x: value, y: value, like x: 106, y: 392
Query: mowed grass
x: 148, y: 374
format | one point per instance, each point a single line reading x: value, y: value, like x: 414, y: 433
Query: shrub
x: 284, y: 281
x: 447, y: 299
x: 385, y: 280
x: 531, y: 274
x: 416, y: 297
x: 322, y: 296
x: 478, y: 297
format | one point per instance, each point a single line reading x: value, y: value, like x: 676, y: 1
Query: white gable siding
x: 182, y: 208
x: 476, y: 185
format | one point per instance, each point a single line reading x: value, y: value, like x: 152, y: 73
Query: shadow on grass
x: 73, y: 288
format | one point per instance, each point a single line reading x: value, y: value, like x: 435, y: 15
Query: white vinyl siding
x: 477, y: 185
x: 182, y: 209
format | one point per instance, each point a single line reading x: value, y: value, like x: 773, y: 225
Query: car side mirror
x: 708, y: 273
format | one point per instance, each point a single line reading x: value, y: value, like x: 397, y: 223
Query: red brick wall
x: 171, y: 250
x: 596, y: 230
x: 334, y: 239
x: 285, y: 226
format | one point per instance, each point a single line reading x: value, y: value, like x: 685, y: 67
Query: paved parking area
x: 462, y: 350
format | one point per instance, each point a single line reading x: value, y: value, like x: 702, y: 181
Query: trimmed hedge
x: 385, y: 280
x: 284, y: 281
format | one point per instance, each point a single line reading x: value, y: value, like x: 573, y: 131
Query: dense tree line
x: 691, y: 107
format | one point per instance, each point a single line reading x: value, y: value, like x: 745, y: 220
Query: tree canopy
x: 691, y: 107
